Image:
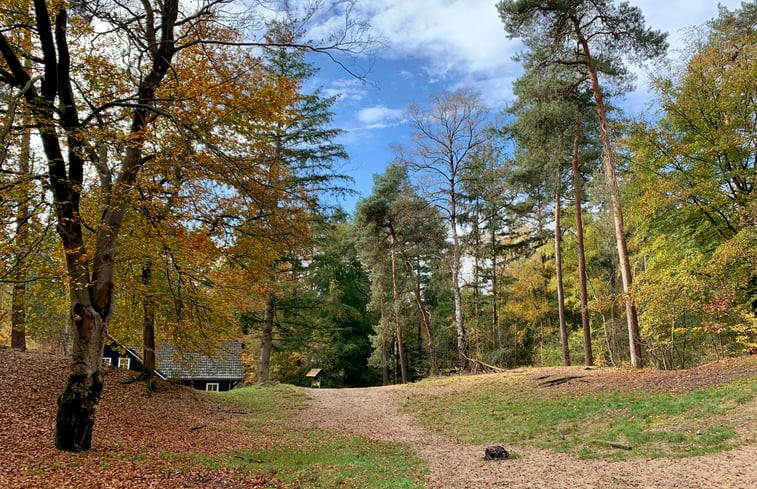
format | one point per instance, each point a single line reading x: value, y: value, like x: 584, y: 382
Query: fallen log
x: 613, y: 444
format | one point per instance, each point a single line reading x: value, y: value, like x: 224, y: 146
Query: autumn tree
x: 101, y: 78
x: 693, y: 180
x: 446, y: 134
x: 595, y: 36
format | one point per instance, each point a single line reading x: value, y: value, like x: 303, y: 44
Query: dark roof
x: 225, y: 363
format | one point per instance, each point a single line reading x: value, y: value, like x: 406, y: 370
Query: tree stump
x: 495, y: 452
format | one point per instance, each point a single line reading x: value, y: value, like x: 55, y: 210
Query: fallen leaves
x: 139, y: 440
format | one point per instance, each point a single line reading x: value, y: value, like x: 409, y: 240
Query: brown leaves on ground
x: 592, y: 379
x: 581, y: 380
x: 139, y: 440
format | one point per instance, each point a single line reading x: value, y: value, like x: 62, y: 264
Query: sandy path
x: 374, y: 412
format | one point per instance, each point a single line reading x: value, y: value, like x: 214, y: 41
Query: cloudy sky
x: 430, y: 46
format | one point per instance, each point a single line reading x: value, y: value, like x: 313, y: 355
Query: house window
x: 107, y: 361
x: 211, y: 387
x: 124, y: 363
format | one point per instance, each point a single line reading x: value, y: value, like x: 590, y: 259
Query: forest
x: 168, y: 176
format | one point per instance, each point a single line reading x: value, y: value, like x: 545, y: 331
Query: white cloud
x: 346, y: 89
x: 379, y: 117
x: 463, y: 42
x: 452, y: 35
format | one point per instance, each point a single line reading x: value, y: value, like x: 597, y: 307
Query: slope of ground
x: 165, y: 440
x: 376, y: 412
x: 134, y: 434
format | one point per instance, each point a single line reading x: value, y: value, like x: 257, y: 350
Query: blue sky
x: 430, y: 46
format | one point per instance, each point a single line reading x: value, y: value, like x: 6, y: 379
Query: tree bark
x: 384, y: 359
x: 422, y: 311
x: 585, y: 325
x: 19, y: 300
x: 558, y: 273
x: 634, y: 340
x: 148, y: 328
x: 78, y: 402
x: 266, y: 343
x: 495, y: 311
x: 396, y: 310
x: 462, y: 342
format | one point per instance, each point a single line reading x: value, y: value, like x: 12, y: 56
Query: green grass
x: 308, y: 457
x: 653, y: 424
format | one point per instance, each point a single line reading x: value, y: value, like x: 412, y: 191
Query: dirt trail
x: 374, y: 412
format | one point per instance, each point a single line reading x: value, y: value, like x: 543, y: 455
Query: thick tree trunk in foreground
x: 78, y: 402
x: 266, y: 343
x: 634, y: 340
x: 558, y: 273
x: 585, y: 325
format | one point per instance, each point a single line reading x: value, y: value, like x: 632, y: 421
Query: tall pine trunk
x: 585, y: 325
x: 634, y: 339
x: 384, y: 349
x: 425, y: 316
x: 558, y: 273
x: 266, y: 343
x: 396, y: 311
x: 495, y: 311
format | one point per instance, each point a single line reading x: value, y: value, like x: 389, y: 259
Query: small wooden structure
x: 314, y: 374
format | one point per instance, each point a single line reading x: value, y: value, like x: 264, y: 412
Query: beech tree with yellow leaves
x: 103, y: 83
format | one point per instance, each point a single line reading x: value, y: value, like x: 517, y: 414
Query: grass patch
x: 652, y: 424
x: 310, y: 458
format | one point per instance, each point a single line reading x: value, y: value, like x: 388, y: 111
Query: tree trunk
x: 384, y: 347
x: 78, y: 402
x: 425, y: 316
x: 634, y: 340
x: 495, y: 312
x: 462, y: 342
x: 476, y: 260
x: 585, y: 325
x: 558, y: 273
x: 18, y: 316
x: 266, y: 343
x: 19, y: 300
x: 396, y: 310
x: 148, y: 327
x: 65, y: 340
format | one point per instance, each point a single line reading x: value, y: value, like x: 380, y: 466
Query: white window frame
x: 124, y: 362
x: 212, y: 387
x: 108, y: 361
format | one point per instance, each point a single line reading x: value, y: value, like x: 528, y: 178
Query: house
x: 220, y: 371
x: 116, y: 355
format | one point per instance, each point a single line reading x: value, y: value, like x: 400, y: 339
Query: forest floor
x: 377, y: 413
x: 167, y: 439
x: 137, y: 438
